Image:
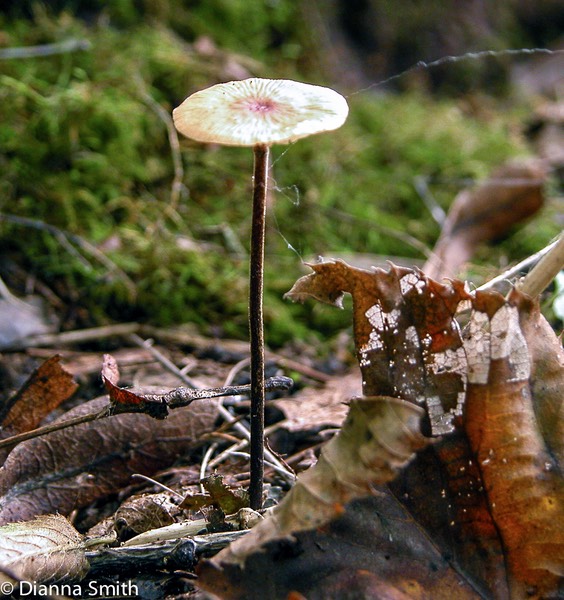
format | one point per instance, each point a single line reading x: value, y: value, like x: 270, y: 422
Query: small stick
x: 544, y: 271
x: 71, y: 45
x: 21, y: 437
x: 158, y: 484
x: 512, y: 272
x: 165, y: 362
x: 179, y: 397
x: 183, y: 396
x: 205, y: 462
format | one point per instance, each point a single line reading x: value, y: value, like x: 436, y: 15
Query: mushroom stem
x: 260, y: 185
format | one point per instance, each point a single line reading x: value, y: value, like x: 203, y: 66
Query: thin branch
x: 183, y: 396
x: 535, y: 282
x: 178, y: 182
x: 157, y: 483
x: 64, y: 238
x: 174, y: 399
x: 65, y: 47
x: 519, y: 268
x: 22, y: 437
x: 165, y: 362
x: 435, y: 210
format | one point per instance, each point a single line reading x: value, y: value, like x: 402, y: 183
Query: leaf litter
x: 477, y: 497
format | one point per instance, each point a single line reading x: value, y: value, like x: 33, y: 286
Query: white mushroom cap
x: 259, y: 111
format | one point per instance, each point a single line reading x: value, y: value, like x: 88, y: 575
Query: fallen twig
x: 71, y: 45
x: 174, y: 399
x: 551, y: 263
x: 170, y: 555
x: 520, y: 267
x: 165, y: 362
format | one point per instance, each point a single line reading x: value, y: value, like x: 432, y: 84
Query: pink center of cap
x: 260, y: 105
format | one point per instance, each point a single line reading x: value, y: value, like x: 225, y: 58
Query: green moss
x: 84, y: 149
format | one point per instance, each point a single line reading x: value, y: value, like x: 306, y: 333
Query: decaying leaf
x: 490, y: 493
x: 316, y: 408
x: 229, y: 500
x: 407, y: 340
x: 379, y: 436
x: 144, y: 512
x: 69, y: 468
x: 124, y: 400
x: 522, y: 480
x: 372, y: 551
x: 513, y: 193
x: 547, y: 378
x: 46, y: 389
x: 45, y: 549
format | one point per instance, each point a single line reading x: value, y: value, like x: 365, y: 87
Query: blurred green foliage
x: 84, y: 147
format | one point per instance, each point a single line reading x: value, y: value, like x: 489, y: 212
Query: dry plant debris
x: 445, y: 479
x: 488, y: 489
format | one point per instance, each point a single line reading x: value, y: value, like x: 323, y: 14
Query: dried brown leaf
x: 547, y: 374
x: 229, y: 500
x: 510, y: 366
x: 373, y: 550
x: 124, y: 400
x: 70, y: 468
x: 143, y: 513
x: 46, y: 389
x: 522, y: 480
x: 487, y: 213
x: 312, y: 409
x: 379, y: 436
x: 45, y: 549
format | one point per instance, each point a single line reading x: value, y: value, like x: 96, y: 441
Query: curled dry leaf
x: 70, y: 468
x: 144, y: 513
x: 487, y: 213
x: 379, y: 436
x: 46, y: 389
x: 124, y: 400
x: 219, y: 494
x: 547, y: 375
x: 45, y: 549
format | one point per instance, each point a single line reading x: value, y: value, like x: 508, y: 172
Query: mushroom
x: 259, y: 112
